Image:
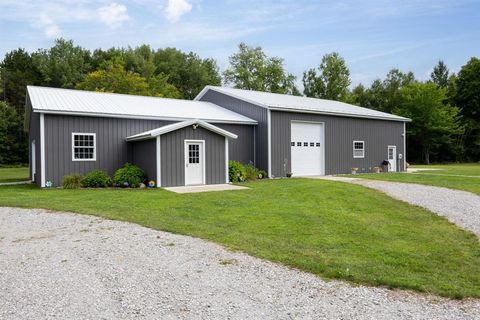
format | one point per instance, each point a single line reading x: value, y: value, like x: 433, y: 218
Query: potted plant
x: 354, y: 170
x: 289, y: 174
x: 376, y: 169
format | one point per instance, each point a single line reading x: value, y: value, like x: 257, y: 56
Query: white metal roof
x: 175, y: 126
x: 78, y: 102
x: 275, y: 101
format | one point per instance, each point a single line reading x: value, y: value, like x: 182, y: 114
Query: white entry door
x: 194, y: 162
x: 392, y: 158
x: 307, y: 149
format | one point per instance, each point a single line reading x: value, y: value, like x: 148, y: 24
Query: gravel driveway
x: 60, y: 265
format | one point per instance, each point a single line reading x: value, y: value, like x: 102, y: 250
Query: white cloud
x: 176, y: 8
x: 113, y: 14
x: 50, y: 28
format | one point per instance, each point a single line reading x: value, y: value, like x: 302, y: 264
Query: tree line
x: 445, y: 109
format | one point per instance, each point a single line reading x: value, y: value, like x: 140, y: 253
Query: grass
x: 331, y: 229
x: 455, y: 176
x: 13, y: 174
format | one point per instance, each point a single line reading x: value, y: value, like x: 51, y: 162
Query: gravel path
x: 60, y: 265
x: 459, y: 207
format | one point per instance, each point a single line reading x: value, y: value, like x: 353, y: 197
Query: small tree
x: 251, y: 69
x: 440, y: 75
x: 331, y: 81
x: 435, y: 124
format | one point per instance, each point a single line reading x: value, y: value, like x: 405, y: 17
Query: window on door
x: 193, y: 153
x: 390, y: 154
x: 359, y: 149
x: 83, y: 147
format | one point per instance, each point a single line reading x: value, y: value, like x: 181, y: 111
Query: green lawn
x: 331, y: 229
x: 455, y: 176
x: 12, y: 174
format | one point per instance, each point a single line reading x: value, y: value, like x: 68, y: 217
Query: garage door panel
x: 307, y: 148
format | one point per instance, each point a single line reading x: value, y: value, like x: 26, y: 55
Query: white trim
x: 94, y: 145
x: 42, y: 150
x: 159, y: 163
x: 203, y: 157
x: 227, y: 180
x: 126, y: 116
x: 33, y: 159
x: 269, y: 142
x: 180, y: 125
x: 404, y: 147
x: 349, y: 115
x: 353, y: 149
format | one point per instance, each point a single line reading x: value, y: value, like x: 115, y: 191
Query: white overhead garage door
x: 307, y: 149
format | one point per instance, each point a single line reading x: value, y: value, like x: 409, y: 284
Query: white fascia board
x: 180, y: 125
x: 339, y: 114
x: 126, y: 116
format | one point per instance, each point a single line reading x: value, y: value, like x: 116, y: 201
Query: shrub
x: 253, y: 173
x: 72, y: 181
x: 96, y: 179
x: 236, y: 171
x: 129, y: 176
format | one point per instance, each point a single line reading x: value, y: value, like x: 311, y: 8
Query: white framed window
x: 359, y: 149
x: 84, y: 146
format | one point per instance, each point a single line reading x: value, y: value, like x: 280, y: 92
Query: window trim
x: 363, y: 149
x: 94, y: 145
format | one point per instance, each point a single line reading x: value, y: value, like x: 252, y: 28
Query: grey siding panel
x: 144, y: 155
x: 252, y: 111
x: 339, y: 135
x: 111, y: 147
x: 242, y: 148
x: 173, y: 156
x: 34, y: 134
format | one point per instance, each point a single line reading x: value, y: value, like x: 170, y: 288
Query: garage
x: 307, y: 148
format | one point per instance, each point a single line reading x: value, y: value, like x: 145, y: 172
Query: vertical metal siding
x: 252, y: 111
x: 242, y: 148
x: 339, y: 135
x: 173, y: 156
x: 111, y: 147
x: 143, y: 154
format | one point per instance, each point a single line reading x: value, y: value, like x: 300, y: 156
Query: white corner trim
x: 42, y: 150
x: 227, y: 180
x: 404, y: 147
x: 269, y: 142
x: 159, y: 163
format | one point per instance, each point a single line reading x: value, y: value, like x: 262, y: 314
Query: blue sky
x: 373, y: 35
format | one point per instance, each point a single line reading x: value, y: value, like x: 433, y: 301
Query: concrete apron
x: 205, y: 188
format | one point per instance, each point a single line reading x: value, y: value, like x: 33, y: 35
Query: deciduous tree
x: 434, y: 124
x: 251, y: 69
x: 330, y: 80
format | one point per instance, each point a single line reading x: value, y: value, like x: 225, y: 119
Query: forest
x: 445, y: 109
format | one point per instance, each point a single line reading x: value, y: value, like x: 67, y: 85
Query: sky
x: 373, y: 36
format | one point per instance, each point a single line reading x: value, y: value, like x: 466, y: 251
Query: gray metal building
x: 181, y: 142
x: 307, y: 136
